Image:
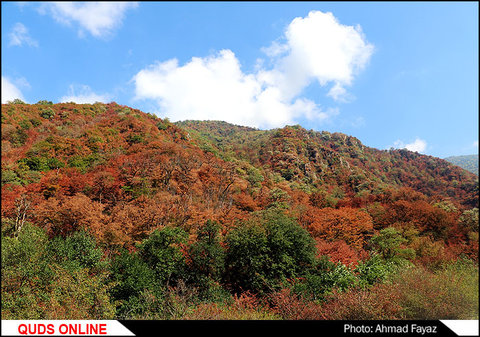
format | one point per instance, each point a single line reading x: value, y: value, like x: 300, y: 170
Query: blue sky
x: 391, y: 74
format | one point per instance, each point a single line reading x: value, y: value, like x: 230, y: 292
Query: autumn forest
x: 109, y: 212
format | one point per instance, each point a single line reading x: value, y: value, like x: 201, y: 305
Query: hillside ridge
x: 467, y: 162
x: 195, y: 214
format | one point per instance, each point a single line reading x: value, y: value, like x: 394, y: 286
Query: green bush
x: 254, y: 177
x: 10, y: 177
x: 84, y: 162
x: 25, y: 124
x: 323, y: 278
x: 131, y: 276
x: 47, y: 113
x: 59, y: 279
x: 162, y: 125
x: 374, y: 270
x: 449, y: 293
x: 388, y: 243
x: 36, y: 163
x: 26, y: 273
x: 207, y: 256
x: 266, y: 251
x: 162, y: 251
x: 45, y: 102
x: 53, y: 163
x: 19, y: 137
x: 134, y: 139
x: 77, y: 251
x: 35, y: 122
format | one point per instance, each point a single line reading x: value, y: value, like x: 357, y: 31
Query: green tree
x: 469, y: 219
x: 45, y: 102
x: 78, y: 250
x: 131, y: 277
x: 322, y: 278
x: 266, y: 251
x: 388, y: 243
x: 375, y: 269
x: 162, y: 251
x: 42, y: 282
x: 206, y: 254
x: 47, y: 113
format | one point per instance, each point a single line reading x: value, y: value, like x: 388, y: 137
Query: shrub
x: 449, y: 293
x: 243, y: 307
x: 47, y: 113
x: 162, y: 125
x: 267, y: 251
x: 53, y: 280
x: 133, y: 281
x: 206, y: 256
x: 54, y: 163
x: 9, y: 177
x: 162, y: 251
x: 388, y: 243
x: 134, y: 139
x: 76, y: 251
x: 289, y: 306
x: 413, y: 293
x: 78, y: 294
x: 84, y: 163
x: 379, y: 303
x: 318, y: 282
x: 24, y: 124
x: 254, y: 177
x: 36, y: 163
x: 25, y: 273
x: 469, y: 219
x: 45, y: 102
x: 374, y: 270
x: 35, y: 122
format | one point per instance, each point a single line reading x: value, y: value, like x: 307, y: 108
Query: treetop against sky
x: 401, y: 75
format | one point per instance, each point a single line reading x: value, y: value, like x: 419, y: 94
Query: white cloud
x: 340, y: 94
x: 320, y: 48
x: 97, y: 18
x: 357, y: 122
x: 84, y: 94
x: 22, y: 83
x: 19, y: 36
x: 419, y: 145
x: 10, y: 91
x: 215, y: 87
x: 275, y: 49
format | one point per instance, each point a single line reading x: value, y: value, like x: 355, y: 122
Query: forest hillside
x: 110, y: 212
x: 469, y: 162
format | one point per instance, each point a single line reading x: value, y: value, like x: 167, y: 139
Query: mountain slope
x: 146, y: 219
x: 126, y: 173
x: 469, y: 163
x: 316, y: 159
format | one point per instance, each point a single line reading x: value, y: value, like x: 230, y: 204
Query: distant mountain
x: 469, y: 163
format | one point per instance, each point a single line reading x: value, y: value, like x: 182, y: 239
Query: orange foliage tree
x: 340, y: 251
x: 426, y: 217
x: 351, y: 225
x: 64, y: 215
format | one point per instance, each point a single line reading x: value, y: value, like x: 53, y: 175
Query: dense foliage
x: 109, y: 212
x: 469, y: 163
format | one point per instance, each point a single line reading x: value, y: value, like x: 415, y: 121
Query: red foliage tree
x: 351, y: 225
